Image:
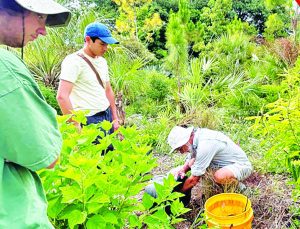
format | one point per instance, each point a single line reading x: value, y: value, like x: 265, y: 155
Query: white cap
x: 57, y: 14
x: 179, y: 136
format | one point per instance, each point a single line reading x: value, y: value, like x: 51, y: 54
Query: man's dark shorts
x: 99, y: 117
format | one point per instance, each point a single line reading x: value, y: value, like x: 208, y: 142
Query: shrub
x: 159, y: 88
x: 138, y: 49
x: 145, y: 106
x: 87, y: 190
x: 275, y: 27
x: 279, y: 125
x: 240, y: 105
x: 286, y: 50
x: 50, y: 95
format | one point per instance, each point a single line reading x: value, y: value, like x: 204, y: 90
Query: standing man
x: 84, y: 80
x: 208, y: 148
x: 29, y: 135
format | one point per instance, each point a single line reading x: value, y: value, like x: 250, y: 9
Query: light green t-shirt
x: 29, y: 141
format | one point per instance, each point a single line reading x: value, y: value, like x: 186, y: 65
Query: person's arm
x: 32, y: 122
x: 52, y: 164
x: 63, y: 99
x: 190, y: 183
x: 186, y: 167
x: 111, y: 98
x: 63, y: 96
x: 180, y: 171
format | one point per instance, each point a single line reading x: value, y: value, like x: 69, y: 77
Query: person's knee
x: 218, y: 177
x: 223, y: 176
x: 150, y: 189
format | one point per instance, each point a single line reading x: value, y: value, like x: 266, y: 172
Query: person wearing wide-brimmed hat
x: 208, y: 149
x: 29, y: 136
x: 84, y: 80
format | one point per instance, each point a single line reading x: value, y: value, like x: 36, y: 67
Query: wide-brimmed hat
x: 57, y: 14
x: 179, y: 136
x: 97, y: 29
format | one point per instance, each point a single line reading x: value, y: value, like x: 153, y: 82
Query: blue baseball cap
x: 101, y: 31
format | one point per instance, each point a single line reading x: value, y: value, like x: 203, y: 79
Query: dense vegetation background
x: 228, y: 65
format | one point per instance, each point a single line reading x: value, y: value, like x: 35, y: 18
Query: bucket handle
x: 243, y: 211
x: 246, y: 203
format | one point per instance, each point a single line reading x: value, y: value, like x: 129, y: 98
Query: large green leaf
x: 76, y: 217
x: 96, y: 222
x: 134, y: 221
x: 147, y: 201
x: 71, y: 193
x: 72, y: 174
x: 110, y: 217
x: 55, y: 206
x: 100, y: 198
x: 93, y: 208
x: 177, y: 208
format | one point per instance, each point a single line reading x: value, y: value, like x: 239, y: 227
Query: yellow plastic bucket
x: 228, y: 210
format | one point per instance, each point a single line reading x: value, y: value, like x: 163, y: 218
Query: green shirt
x: 29, y: 141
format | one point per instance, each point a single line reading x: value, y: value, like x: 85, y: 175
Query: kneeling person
x: 208, y: 149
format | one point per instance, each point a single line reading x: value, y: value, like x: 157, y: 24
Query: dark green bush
x: 159, y: 89
x: 145, y: 106
x: 50, y: 96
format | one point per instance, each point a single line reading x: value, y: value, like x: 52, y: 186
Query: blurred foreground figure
x: 29, y: 135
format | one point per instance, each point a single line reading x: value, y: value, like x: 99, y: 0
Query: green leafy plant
x: 280, y: 125
x: 155, y: 215
x: 50, y: 95
x: 123, y: 65
x: 159, y: 88
x: 274, y: 27
x: 215, y: 17
x: 88, y: 190
x: 43, y: 61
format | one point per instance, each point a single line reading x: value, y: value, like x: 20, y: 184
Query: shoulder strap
x: 92, y: 67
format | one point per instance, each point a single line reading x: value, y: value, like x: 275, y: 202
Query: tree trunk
x: 120, y: 108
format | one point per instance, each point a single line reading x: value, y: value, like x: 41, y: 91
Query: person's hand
x: 120, y: 137
x: 78, y: 126
x: 178, y: 172
x: 116, y: 124
x: 181, y: 174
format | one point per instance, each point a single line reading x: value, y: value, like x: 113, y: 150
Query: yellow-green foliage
x: 127, y: 23
x: 279, y: 124
x: 274, y: 27
x: 91, y: 191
